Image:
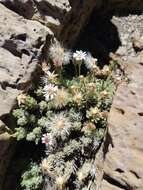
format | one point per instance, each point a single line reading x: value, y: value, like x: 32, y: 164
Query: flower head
x: 59, y: 124
x: 91, y: 87
x: 95, y: 69
x: 45, y: 165
x: 79, y: 55
x: 21, y: 99
x: 47, y: 139
x: 51, y: 76
x: 50, y: 142
x: 90, y: 62
x: 103, y: 94
x: 61, y: 98
x: 78, y: 98
x: 50, y: 91
x: 59, y: 55
x: 92, y: 112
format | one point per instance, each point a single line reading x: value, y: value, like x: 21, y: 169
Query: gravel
x: 128, y: 27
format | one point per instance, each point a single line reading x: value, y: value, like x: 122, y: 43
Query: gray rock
x: 20, y: 42
x: 56, y: 15
x: 124, y: 161
x: 19, y: 36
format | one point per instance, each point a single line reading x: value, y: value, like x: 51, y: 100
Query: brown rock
x: 7, y: 98
x: 124, y: 158
x: 20, y: 43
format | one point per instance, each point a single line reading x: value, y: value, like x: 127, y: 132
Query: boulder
x: 123, y: 167
x: 66, y: 18
x: 20, y: 43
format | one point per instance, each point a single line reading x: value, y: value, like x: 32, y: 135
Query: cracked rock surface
x: 123, y: 168
x: 20, y: 42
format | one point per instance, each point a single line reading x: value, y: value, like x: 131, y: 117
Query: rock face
x: 124, y: 157
x: 20, y: 42
x: 65, y: 18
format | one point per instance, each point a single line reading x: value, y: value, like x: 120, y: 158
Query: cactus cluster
x: 68, y: 113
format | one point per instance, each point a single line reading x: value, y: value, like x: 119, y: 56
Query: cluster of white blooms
x: 60, y: 56
x: 89, y: 61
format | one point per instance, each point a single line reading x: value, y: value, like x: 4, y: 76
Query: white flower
x: 47, y: 139
x: 51, y: 76
x: 60, y: 124
x: 50, y: 91
x: 79, y: 55
x: 61, y: 99
x: 90, y: 61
